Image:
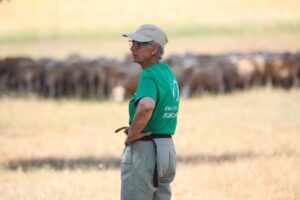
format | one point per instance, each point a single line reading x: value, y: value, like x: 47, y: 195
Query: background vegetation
x: 58, y: 28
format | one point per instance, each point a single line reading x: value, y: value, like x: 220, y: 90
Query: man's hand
x: 131, y: 137
x: 126, y: 130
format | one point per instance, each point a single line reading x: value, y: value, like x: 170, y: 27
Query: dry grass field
x: 229, y: 147
x: 58, y: 28
x: 116, y: 15
x: 118, y: 47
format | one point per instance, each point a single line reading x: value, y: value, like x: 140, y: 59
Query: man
x: 148, y: 162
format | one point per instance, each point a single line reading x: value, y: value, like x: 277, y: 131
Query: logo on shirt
x: 175, y: 90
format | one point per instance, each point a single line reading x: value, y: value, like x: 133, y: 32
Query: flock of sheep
x: 110, y: 78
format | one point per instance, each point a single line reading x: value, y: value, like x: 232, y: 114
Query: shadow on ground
x: 102, y: 163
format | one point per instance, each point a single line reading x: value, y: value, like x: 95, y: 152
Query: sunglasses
x: 137, y: 45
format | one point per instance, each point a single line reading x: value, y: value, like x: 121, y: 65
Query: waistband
x: 153, y: 136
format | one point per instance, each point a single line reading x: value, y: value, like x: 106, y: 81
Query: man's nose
x: 132, y: 48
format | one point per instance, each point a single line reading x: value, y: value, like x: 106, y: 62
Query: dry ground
x: 118, y: 47
x: 239, y: 146
x: 78, y: 15
x: 64, y: 19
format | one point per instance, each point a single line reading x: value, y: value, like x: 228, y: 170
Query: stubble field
x: 239, y: 146
x: 59, y: 28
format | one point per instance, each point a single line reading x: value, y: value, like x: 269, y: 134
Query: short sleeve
x: 146, y: 88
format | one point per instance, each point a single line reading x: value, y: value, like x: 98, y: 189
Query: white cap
x: 147, y: 33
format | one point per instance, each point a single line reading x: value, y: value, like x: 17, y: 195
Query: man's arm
x: 142, y: 115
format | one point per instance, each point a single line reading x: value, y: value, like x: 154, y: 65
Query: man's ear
x: 155, y: 48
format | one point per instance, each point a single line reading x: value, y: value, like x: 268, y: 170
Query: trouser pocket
x: 126, y: 160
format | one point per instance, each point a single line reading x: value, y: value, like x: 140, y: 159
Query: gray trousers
x: 137, y: 168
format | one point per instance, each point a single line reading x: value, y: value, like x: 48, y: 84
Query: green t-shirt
x: 159, y: 83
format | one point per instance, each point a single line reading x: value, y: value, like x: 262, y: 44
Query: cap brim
x: 137, y: 37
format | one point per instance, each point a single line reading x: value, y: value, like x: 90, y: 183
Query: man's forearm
x: 142, y: 116
x: 140, y: 120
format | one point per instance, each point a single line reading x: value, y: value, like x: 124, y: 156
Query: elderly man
x: 148, y: 162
